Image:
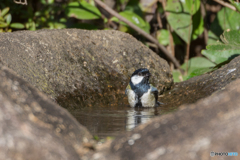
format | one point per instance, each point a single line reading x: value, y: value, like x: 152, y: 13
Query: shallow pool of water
x: 111, y: 121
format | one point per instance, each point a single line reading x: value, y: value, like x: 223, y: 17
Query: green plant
x: 5, y: 21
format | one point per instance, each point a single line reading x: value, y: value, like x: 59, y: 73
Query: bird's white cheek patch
x: 132, y: 98
x: 136, y: 79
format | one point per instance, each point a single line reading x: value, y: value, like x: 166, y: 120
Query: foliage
x: 197, y: 66
x: 224, y: 50
x: 82, y: 10
x: 185, y: 18
x: 219, y: 53
x: 5, y: 21
x: 176, y: 23
x: 226, y: 19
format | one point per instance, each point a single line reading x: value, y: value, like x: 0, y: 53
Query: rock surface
x: 211, y: 124
x: 33, y: 127
x: 79, y: 67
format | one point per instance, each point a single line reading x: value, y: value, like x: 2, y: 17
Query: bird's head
x: 141, y: 75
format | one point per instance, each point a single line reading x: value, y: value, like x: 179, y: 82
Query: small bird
x: 140, y: 92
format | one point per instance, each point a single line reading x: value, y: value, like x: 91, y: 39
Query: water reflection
x: 136, y: 116
x: 111, y: 121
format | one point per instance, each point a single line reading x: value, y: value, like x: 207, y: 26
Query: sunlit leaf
x: 225, y: 19
x: 59, y: 25
x: 3, y: 25
x: 192, y: 6
x: 163, y: 37
x: 4, y: 11
x: 63, y: 20
x: 227, y: 49
x: 17, y: 25
x: 196, y: 66
x: 8, y: 18
x: 179, y: 19
x: 82, y: 10
x: 135, y: 19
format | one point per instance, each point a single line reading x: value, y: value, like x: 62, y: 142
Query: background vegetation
x: 177, y: 30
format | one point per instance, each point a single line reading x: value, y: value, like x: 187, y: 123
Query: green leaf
x: 135, y: 19
x: 225, y: 19
x: 179, y: 19
x: 212, y: 38
x: 8, y: 18
x: 198, y: 25
x: 3, y: 25
x: 197, y: 63
x: 50, y: 1
x: 192, y: 6
x: 199, y: 71
x: 176, y: 39
x: 63, y: 20
x: 177, y: 76
x: 163, y: 37
x: 32, y: 26
x: 59, y: 25
x: 4, y: 11
x: 133, y: 6
x: 196, y: 66
x: 227, y: 49
x: 82, y: 10
x: 17, y: 25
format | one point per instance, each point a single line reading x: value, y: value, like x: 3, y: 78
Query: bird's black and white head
x: 140, y: 76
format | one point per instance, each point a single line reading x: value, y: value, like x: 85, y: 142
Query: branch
x: 226, y: 4
x: 20, y: 2
x: 139, y: 30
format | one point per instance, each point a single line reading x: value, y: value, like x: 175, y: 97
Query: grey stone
x: 192, y: 132
x: 34, y: 127
x: 79, y: 67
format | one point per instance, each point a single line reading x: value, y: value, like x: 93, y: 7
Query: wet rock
x: 201, y: 86
x: 79, y: 67
x: 211, y: 124
x: 33, y: 127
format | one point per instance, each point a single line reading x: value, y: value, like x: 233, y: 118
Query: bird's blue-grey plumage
x: 139, y: 91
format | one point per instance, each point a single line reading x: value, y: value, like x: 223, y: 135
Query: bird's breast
x: 132, y: 97
x: 148, y: 99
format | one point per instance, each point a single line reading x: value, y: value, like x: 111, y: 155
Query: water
x: 111, y: 121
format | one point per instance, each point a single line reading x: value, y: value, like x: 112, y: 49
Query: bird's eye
x: 140, y: 74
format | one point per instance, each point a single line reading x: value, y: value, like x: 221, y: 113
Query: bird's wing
x: 127, y: 88
x: 154, y: 91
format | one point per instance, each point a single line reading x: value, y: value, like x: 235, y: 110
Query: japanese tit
x: 140, y: 92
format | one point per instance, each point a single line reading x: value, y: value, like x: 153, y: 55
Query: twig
x: 20, y: 2
x: 139, y: 30
x: 235, y: 5
x: 226, y: 4
x: 159, y: 20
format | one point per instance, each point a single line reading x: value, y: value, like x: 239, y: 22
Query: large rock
x: 211, y: 124
x: 80, y: 67
x: 33, y: 127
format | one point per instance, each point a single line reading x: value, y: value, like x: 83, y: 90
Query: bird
x: 140, y: 92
